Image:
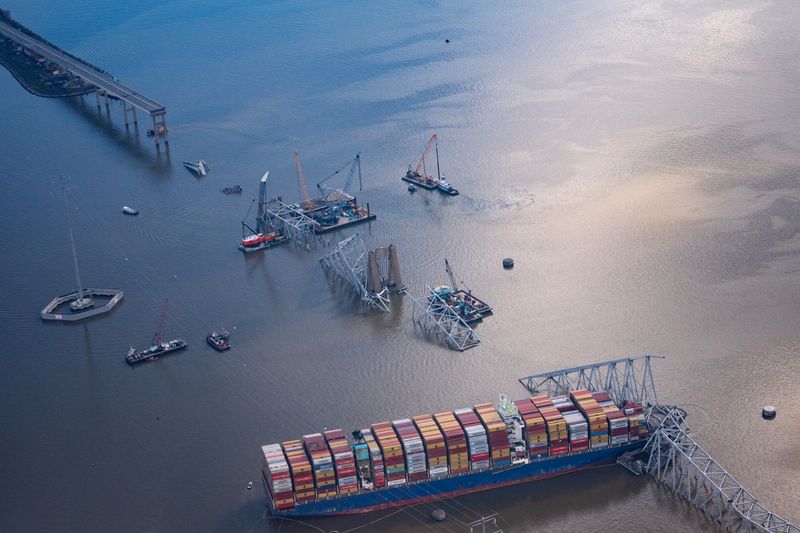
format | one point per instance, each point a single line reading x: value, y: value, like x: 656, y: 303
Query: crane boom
x: 421, y: 163
x: 301, y: 178
x: 354, y: 163
x: 449, y: 271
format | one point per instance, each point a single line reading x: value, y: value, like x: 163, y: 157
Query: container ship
x: 441, y: 455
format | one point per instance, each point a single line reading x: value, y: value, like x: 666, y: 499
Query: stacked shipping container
x: 375, y: 459
x: 535, y: 430
x: 278, y: 477
x: 449, y: 442
x: 637, y: 429
x: 476, y: 438
x: 435, y: 447
x: 343, y: 461
x: 322, y: 465
x: 392, y: 453
x: 416, y: 465
x: 456, y: 440
x: 497, y: 431
x: 617, y: 423
x: 598, y: 423
x: 555, y: 424
x: 301, y: 471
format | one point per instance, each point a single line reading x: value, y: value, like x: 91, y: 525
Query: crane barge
x: 418, y: 176
x: 157, y: 347
x: 335, y: 208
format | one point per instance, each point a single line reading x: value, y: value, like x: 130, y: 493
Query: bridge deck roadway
x: 87, y: 73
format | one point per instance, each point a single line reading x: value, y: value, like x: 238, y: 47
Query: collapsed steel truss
x: 678, y: 462
x: 296, y: 225
x: 629, y: 379
x: 435, y: 317
x: 348, y: 262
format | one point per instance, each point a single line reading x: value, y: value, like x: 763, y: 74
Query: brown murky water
x: 639, y: 161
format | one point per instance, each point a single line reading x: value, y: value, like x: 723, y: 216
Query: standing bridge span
x: 105, y: 85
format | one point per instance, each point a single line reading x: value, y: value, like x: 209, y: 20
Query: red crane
x: 421, y: 165
x: 301, y: 178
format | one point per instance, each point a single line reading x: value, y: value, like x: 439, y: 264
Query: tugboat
x: 199, y: 167
x: 235, y: 189
x: 262, y: 240
x: 412, y: 188
x: 157, y: 348
x: 220, y: 341
x: 446, y: 188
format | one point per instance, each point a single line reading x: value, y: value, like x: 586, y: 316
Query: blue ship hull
x: 453, y: 486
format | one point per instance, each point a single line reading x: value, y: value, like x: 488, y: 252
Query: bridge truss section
x: 627, y: 380
x: 349, y: 262
x: 296, y: 225
x: 438, y: 319
x: 683, y: 466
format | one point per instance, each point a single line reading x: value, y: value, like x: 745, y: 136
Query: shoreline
x: 25, y: 84
x: 35, y: 77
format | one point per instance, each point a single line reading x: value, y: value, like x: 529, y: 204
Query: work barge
x: 333, y: 209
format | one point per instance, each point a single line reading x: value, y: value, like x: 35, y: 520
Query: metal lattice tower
x: 435, y: 317
x: 629, y: 379
x: 350, y: 263
x: 295, y: 224
x: 678, y: 462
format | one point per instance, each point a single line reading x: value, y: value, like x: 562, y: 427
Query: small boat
x: 219, y: 340
x: 446, y: 188
x: 129, y: 210
x: 412, y: 188
x: 155, y: 351
x: 199, y: 167
x: 150, y: 132
x: 235, y: 189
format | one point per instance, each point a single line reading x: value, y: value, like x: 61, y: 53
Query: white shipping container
x: 396, y: 482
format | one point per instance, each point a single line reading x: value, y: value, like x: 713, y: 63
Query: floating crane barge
x: 335, y: 208
x: 419, y: 174
x: 470, y: 308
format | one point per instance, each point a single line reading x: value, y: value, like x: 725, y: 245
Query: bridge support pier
x: 160, y: 128
x: 97, y: 98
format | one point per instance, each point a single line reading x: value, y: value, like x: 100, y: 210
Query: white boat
x: 199, y: 167
x: 129, y: 210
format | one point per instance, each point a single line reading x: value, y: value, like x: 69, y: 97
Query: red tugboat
x: 263, y: 240
x: 220, y: 341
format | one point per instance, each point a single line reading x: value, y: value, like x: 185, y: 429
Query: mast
x: 358, y: 160
x: 72, y: 242
x: 157, y: 339
x: 438, y: 173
